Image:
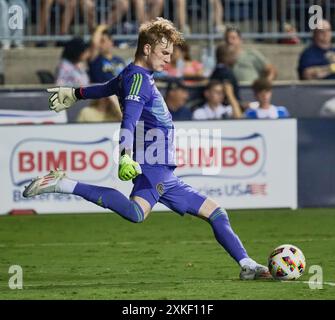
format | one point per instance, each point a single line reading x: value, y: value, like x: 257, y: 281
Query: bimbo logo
x: 224, y: 157
x: 85, y: 161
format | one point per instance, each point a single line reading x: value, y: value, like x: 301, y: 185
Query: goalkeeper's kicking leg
x: 134, y: 210
x: 224, y: 234
x: 182, y: 199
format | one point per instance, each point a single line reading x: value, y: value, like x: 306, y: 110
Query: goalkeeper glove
x: 128, y: 168
x: 61, y: 98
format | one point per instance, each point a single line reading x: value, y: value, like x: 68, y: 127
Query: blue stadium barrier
x: 316, y: 163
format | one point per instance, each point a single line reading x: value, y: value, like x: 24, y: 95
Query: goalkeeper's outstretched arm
x: 98, y: 91
x: 62, y: 98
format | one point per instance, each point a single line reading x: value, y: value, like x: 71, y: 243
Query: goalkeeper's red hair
x: 157, y: 31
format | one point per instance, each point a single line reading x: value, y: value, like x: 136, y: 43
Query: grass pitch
x: 102, y: 256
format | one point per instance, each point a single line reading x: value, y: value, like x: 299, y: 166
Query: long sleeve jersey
x: 146, y: 119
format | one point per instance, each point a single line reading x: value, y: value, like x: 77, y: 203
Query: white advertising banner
x: 240, y: 164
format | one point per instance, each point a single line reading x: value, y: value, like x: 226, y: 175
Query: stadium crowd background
x: 237, y: 54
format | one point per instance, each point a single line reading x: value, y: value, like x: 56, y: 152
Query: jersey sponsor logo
x: 86, y: 161
x: 133, y: 98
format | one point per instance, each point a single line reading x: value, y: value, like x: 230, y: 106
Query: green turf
x: 102, y: 256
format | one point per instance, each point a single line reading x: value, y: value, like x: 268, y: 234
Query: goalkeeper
x: 153, y: 181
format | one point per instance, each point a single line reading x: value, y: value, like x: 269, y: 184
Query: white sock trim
x: 66, y: 185
x: 248, y: 262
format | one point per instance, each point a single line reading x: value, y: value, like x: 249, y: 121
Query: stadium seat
x: 45, y: 76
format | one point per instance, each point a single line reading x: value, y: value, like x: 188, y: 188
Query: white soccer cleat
x: 259, y: 272
x: 46, y: 184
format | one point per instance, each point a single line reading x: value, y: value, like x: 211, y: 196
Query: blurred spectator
x: 88, y: 11
x: 226, y: 57
x: 144, y: 10
x: 192, y: 67
x: 104, y: 65
x: 154, y: 9
x: 182, y: 65
x: 214, y: 108
x: 176, y: 98
x: 69, y: 7
x: 262, y: 108
x: 99, y: 111
x: 180, y: 9
x: 292, y: 37
x: 121, y: 7
x: 68, y: 11
x: 9, y: 35
x: 250, y: 64
x: 318, y: 60
x: 217, y: 7
x: 174, y: 68
x: 71, y: 70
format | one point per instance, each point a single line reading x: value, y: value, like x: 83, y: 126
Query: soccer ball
x: 287, y: 262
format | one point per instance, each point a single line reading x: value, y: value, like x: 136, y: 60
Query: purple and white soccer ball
x: 287, y: 262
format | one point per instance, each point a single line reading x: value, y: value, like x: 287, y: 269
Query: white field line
x: 125, y: 243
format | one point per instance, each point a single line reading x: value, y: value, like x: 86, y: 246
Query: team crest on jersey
x: 160, y: 188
